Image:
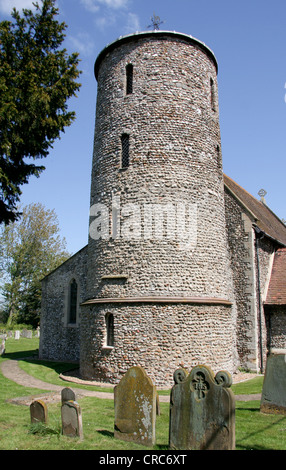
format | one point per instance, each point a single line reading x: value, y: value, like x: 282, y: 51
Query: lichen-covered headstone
x: 39, y: 412
x: 135, y: 408
x: 71, y: 419
x: 273, y: 397
x: 202, y: 410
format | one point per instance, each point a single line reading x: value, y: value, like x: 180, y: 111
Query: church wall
x: 242, y: 254
x: 276, y: 331
x: 266, y: 250
x: 249, y: 288
x: 160, y: 338
x: 60, y: 340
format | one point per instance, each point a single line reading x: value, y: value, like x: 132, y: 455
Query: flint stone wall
x: 159, y: 338
x: 60, y: 340
x: 243, y: 255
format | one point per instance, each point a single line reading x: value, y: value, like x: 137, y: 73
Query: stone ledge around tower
x: 177, y: 300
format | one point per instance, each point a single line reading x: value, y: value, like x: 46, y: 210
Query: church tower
x: 159, y: 285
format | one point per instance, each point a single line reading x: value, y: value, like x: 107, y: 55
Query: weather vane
x: 156, y: 22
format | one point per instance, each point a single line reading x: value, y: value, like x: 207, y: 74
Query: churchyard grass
x: 254, y: 430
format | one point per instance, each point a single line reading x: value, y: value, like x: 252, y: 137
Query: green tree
x: 29, y: 250
x: 37, y: 78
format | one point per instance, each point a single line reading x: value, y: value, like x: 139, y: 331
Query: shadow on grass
x: 23, y: 355
x: 31, y: 357
x: 105, y: 433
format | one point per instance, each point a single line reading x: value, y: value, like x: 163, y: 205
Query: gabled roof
x: 262, y: 216
x: 276, y: 294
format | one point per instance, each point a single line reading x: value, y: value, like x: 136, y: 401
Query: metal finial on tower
x: 156, y: 22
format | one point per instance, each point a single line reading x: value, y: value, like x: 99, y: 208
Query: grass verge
x: 254, y: 430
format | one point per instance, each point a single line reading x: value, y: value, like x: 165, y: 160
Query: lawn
x: 254, y: 430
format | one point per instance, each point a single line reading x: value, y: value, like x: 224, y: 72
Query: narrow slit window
x: 109, y: 322
x: 212, y: 86
x: 73, y: 301
x: 129, y: 79
x: 125, y: 151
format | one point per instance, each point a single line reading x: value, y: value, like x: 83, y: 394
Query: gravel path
x: 11, y: 370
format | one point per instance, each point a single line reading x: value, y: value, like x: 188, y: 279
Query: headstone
x: 202, y: 410
x: 29, y: 334
x: 71, y: 419
x: 135, y: 408
x: 67, y: 394
x: 17, y: 334
x: 38, y: 412
x: 273, y: 397
x: 2, y: 347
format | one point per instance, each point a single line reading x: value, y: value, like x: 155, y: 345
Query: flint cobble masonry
x: 169, y: 277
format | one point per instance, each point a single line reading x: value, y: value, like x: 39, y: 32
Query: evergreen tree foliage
x: 37, y: 78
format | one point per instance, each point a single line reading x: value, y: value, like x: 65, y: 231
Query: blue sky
x: 248, y: 39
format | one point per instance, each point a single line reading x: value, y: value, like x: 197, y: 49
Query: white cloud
x: 133, y: 23
x: 114, y: 3
x: 82, y: 43
x: 94, y: 5
x: 90, y: 5
x: 105, y: 21
x: 6, y: 6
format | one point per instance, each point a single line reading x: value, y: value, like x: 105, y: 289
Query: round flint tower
x: 159, y: 285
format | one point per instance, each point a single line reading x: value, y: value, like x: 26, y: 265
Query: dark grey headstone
x: 202, y: 411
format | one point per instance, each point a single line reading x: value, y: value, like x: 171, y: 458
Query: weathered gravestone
x: 71, y: 419
x: 135, y: 408
x: 273, y: 397
x: 67, y: 394
x: 202, y: 410
x: 2, y: 347
x: 38, y: 412
x: 17, y: 334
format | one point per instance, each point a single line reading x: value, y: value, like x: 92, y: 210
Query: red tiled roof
x: 263, y: 217
x: 276, y: 294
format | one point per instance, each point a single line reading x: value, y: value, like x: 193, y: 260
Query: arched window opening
x: 109, y: 323
x: 129, y: 79
x: 125, y: 151
x: 72, y: 302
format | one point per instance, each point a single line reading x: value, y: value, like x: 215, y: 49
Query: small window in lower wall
x: 109, y: 323
x: 72, y: 314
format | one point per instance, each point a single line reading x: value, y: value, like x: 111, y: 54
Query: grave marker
x: 67, y: 394
x: 2, y: 347
x: 71, y: 419
x: 273, y: 397
x: 38, y: 412
x: 135, y: 408
x: 202, y: 410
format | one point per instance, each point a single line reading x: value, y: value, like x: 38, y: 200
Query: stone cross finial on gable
x: 262, y: 193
